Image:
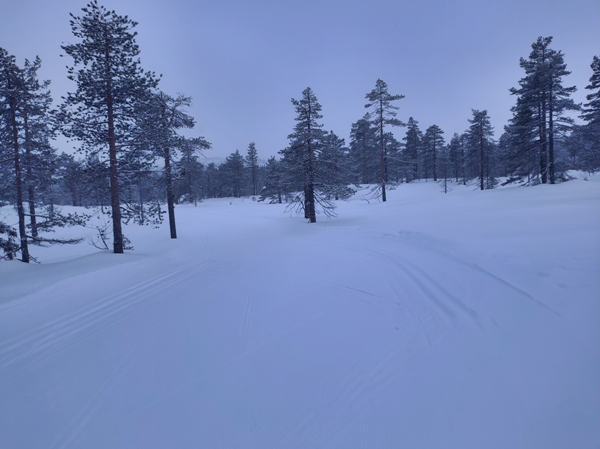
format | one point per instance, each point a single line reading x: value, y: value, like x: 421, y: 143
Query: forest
x: 136, y: 162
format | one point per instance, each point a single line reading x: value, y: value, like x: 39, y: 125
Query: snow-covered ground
x: 465, y: 320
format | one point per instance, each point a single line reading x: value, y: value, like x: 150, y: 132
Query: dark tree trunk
x: 31, y: 200
x: 434, y: 159
x: 141, y: 195
x: 481, y: 174
x: 310, y: 193
x: 550, y: 137
x: 382, y: 148
x: 115, y: 201
x: 306, y: 201
x: 543, y: 143
x: 18, y: 182
x: 29, y: 172
x: 170, y: 203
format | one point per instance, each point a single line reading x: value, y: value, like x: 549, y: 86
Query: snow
x: 465, y: 320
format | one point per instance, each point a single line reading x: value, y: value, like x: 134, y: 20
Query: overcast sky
x: 242, y: 61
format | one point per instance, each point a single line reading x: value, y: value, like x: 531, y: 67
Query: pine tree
x: 8, y: 245
x: 251, y: 161
x: 538, y: 116
x: 455, y: 156
x: 95, y: 180
x: 432, y: 143
x: 25, y: 130
x: 333, y: 161
x: 233, y: 173
x: 190, y: 168
x: 395, y: 165
x: 363, y: 151
x: 159, y: 118
x: 300, y: 158
x: 585, y: 140
x: 591, y: 110
x: 479, y: 138
x: 273, y: 189
x: 308, y: 163
x: 12, y: 99
x: 444, y: 164
x: 70, y: 174
x: 412, y: 148
x: 38, y: 130
x: 101, y: 113
x: 383, y: 113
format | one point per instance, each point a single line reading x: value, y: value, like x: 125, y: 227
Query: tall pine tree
x: 383, y: 113
x: 539, y: 114
x: 101, y: 113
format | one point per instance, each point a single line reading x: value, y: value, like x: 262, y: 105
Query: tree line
x: 134, y: 163
x: 540, y: 143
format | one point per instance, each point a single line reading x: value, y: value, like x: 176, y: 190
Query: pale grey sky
x: 242, y: 61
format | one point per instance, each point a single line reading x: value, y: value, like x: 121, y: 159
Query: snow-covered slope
x: 466, y: 320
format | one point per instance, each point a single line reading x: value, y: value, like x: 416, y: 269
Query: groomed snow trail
x: 465, y: 320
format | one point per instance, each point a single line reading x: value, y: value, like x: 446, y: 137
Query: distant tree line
x: 539, y: 145
x: 134, y: 163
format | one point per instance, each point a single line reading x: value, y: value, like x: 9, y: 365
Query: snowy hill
x: 467, y: 320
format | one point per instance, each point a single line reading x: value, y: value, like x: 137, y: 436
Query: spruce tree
x: 101, y: 113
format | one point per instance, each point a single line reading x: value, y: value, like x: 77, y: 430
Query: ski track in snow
x: 78, y: 423
x: 350, y: 333
x: 99, y: 317
x: 477, y: 268
x: 247, y: 313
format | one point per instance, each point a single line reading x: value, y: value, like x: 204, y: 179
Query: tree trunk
x: 29, y: 174
x: 382, y: 147
x: 543, y: 143
x: 434, y: 158
x: 115, y: 201
x: 18, y: 182
x: 551, y: 136
x: 481, y: 175
x: 141, y: 195
x: 170, y: 203
x: 310, y: 190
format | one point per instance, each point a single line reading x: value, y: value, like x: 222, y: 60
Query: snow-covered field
x: 466, y: 320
